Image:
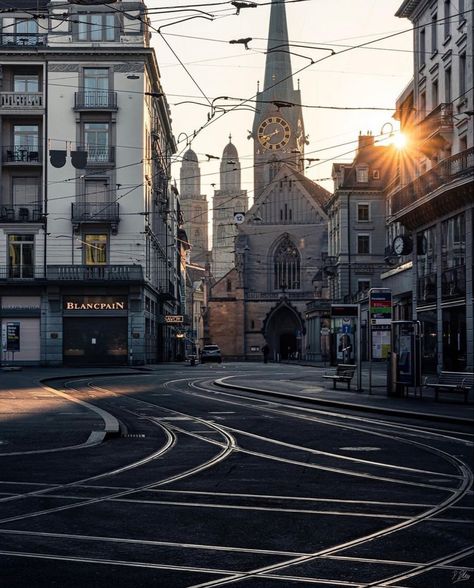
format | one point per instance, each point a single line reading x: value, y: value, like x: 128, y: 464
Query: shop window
x: 363, y: 212
x: 426, y: 266
x: 429, y: 342
x: 363, y: 244
x: 21, y: 256
x: 454, y: 339
x: 95, y: 249
x: 453, y: 257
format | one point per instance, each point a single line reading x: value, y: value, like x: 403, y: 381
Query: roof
x: 407, y: 8
x: 319, y: 194
x: 230, y: 151
x: 190, y: 156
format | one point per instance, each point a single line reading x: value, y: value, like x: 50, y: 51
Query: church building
x: 229, y: 200
x: 279, y: 246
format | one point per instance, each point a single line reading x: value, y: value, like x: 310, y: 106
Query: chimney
x: 367, y: 140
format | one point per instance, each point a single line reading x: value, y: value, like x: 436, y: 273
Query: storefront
x: 95, y: 330
x: 20, y: 329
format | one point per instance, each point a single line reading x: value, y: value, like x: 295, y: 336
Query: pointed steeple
x: 278, y: 61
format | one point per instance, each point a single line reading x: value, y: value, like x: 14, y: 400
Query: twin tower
x: 228, y: 200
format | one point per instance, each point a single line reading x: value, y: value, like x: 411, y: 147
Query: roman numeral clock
x: 274, y: 133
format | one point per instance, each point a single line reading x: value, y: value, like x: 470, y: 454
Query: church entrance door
x: 282, y: 333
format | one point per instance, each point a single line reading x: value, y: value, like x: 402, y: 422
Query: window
x: 422, y: 47
x: 363, y: 244
x: 363, y: 212
x: 447, y: 84
x: 96, y: 86
x: 96, y: 27
x: 95, y: 249
x: 21, y: 256
x: 26, y: 31
x: 286, y: 265
x: 25, y: 83
x: 462, y: 75
x: 423, y: 104
x: 220, y: 235
x: 434, y: 94
x: 96, y: 190
x: 362, y: 173
x: 376, y: 174
x: 25, y: 193
x: 447, y: 18
x: 25, y: 143
x: 461, y: 11
x: 96, y: 139
x: 434, y: 33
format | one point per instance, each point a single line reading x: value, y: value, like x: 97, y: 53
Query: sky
x: 371, y: 77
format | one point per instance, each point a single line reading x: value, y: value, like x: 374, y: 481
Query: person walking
x: 265, y: 351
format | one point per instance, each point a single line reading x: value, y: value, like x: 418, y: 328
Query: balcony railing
x: 22, y: 214
x: 453, y: 283
x: 100, y: 273
x: 98, y: 154
x: 22, y: 39
x: 22, y: 154
x: 95, y: 100
x: 449, y: 169
x: 438, y: 120
x: 95, y: 212
x: 15, y: 101
x: 21, y: 272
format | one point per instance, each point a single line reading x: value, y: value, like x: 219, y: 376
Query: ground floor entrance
x: 95, y: 340
x: 283, y: 333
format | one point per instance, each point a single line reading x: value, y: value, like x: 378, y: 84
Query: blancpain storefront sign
x: 86, y: 303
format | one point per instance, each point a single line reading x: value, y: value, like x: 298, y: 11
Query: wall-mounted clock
x: 402, y: 245
x: 274, y: 133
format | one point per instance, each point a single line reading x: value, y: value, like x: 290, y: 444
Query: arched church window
x: 286, y: 266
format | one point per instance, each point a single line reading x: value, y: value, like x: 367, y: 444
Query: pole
x: 359, y: 361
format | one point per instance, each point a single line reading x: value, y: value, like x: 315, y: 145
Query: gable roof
x: 319, y: 194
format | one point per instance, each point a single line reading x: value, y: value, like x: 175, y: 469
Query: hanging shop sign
x: 103, y: 303
x: 174, y: 318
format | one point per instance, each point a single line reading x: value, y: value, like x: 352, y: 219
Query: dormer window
x: 362, y: 174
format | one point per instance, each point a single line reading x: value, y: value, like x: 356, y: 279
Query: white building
x: 87, y: 228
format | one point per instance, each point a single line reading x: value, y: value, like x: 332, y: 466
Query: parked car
x: 211, y: 353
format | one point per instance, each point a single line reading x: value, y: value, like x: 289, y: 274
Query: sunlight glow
x: 400, y: 141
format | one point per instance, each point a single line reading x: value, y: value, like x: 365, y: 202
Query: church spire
x: 278, y: 62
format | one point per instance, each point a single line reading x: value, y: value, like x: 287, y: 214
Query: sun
x: 399, y: 141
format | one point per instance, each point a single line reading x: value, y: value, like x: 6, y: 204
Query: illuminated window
x: 95, y: 249
x: 21, y: 256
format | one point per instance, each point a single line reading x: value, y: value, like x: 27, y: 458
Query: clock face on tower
x: 274, y: 133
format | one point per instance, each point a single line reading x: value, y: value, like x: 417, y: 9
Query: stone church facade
x: 279, y: 247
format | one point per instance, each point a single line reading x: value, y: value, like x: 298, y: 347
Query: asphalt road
x: 206, y: 486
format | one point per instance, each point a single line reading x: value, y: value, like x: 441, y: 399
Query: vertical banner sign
x: 380, y: 312
x: 13, y: 337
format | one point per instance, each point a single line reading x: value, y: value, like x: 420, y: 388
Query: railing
x: 22, y: 39
x: 22, y: 154
x: 96, y: 100
x: 453, y: 282
x: 20, y: 272
x: 21, y: 100
x: 98, y: 154
x: 441, y: 118
x: 449, y: 169
x: 23, y: 214
x: 95, y: 212
x: 102, y: 273
x: 427, y: 289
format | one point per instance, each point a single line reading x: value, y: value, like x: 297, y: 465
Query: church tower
x: 228, y: 200
x: 278, y: 129
x: 194, y: 207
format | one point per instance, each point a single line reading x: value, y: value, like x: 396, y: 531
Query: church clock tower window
x: 287, y: 266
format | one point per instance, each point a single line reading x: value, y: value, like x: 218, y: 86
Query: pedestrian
x: 265, y: 351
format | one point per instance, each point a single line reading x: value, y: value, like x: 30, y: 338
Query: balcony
x: 22, y: 273
x: 439, y: 122
x: 21, y: 214
x: 19, y: 155
x: 98, y: 155
x: 95, y: 100
x: 16, y: 102
x: 96, y: 212
x: 95, y: 273
x: 439, y: 191
x: 22, y: 40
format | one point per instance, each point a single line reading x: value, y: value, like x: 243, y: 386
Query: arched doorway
x: 283, y: 330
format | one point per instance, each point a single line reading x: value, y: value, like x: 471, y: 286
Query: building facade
x: 279, y: 246
x: 228, y: 200
x: 433, y: 202
x: 88, y: 224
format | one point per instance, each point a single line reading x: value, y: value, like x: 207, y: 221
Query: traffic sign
x: 239, y: 218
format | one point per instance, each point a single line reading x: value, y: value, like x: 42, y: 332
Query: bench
x: 344, y: 373
x: 452, y: 382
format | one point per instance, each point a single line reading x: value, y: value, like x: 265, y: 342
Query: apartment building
x: 432, y: 203
x: 88, y: 225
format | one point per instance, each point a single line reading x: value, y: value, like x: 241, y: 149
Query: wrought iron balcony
x: 95, y: 100
x: 21, y: 272
x: 98, y: 154
x: 19, y: 40
x: 22, y: 214
x: 438, y: 121
x: 96, y: 212
x: 429, y: 191
x: 21, y: 155
x: 16, y: 101
x: 94, y: 273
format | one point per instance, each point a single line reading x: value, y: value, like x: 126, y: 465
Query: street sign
x: 173, y: 318
x: 239, y: 218
x: 344, y: 310
x: 380, y: 308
